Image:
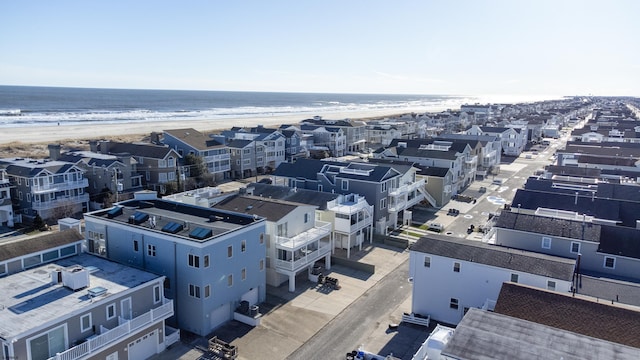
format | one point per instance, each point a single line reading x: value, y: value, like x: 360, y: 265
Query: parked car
x: 437, y: 227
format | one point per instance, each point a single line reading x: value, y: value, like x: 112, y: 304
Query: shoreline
x: 55, y: 133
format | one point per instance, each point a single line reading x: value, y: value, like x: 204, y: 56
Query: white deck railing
x: 307, y: 259
x: 317, y: 232
x: 95, y: 344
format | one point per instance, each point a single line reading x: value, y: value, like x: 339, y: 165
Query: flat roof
x: 160, y: 213
x: 28, y: 299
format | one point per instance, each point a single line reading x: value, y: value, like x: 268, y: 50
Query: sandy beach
x: 32, y: 141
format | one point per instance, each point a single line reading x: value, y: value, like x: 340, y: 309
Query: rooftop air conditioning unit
x: 75, y: 277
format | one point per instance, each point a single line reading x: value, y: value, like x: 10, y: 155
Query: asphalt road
x: 347, y: 330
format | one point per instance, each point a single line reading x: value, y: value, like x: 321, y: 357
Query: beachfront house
x: 354, y: 131
x: 51, y: 189
x: 295, y: 240
x: 452, y: 275
x: 158, y: 164
x: 212, y: 259
x: 214, y: 154
x: 64, y: 304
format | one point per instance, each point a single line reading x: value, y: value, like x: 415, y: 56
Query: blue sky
x: 475, y: 47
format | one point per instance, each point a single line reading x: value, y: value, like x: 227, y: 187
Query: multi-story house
x: 381, y: 134
x: 351, y: 215
x: 243, y: 158
x: 514, y: 139
x: 451, y: 275
x: 293, y: 149
x: 456, y: 156
x: 328, y: 138
x: 215, y: 155
x: 52, y: 189
x: 295, y: 239
x: 438, y: 182
x: 82, y: 307
x: 158, y: 164
x: 116, y: 174
x: 488, y: 150
x: 354, y: 131
x: 212, y: 259
x: 6, y: 207
x: 604, y: 250
x: 374, y: 182
x: 269, y: 145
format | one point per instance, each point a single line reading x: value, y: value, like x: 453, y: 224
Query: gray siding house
x: 212, y: 259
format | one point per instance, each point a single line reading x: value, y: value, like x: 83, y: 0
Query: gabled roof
x: 498, y: 130
x: 581, y: 315
x: 433, y: 171
x: 496, y: 256
x: 427, y: 154
x: 544, y: 225
x: 239, y: 143
x: 309, y: 169
x: 302, y: 168
x: 194, y: 138
x: 620, y: 241
x: 30, y: 168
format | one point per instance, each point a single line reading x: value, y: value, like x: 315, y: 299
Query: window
x: 3, y: 269
x: 31, y: 261
x: 551, y: 285
x: 46, y: 345
x: 156, y: 295
x: 207, y: 291
x: 345, y: 184
x: 151, y: 250
x: 306, y: 218
x: 167, y: 283
x: 320, y: 187
x: 85, y: 322
x: 261, y: 238
x: 575, y: 247
x: 456, y: 267
x: 206, y: 261
x: 383, y: 203
x: 609, y: 262
x: 243, y: 273
x: 546, y: 242
x: 135, y: 245
x: 111, y: 311
x: 453, y: 303
x: 69, y: 250
x: 261, y: 264
x: 230, y: 280
x: 194, y: 261
x: 514, y: 278
x: 194, y: 291
x: 48, y: 256
x: 427, y: 261
x: 383, y: 187
x: 243, y: 246
x: 230, y: 251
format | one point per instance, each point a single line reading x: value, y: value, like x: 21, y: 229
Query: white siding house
x: 451, y: 275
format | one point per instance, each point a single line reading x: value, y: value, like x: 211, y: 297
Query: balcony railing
x: 220, y: 157
x: 54, y: 187
x: 406, y: 188
x: 319, y: 231
x: 310, y: 257
x: 93, y: 345
x: 51, y: 204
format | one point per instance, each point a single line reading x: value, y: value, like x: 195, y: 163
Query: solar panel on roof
x: 114, y: 212
x: 140, y: 217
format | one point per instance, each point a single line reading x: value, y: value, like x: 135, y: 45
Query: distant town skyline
x: 524, y: 48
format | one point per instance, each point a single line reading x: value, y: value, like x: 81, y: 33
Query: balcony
x: 111, y: 336
x: 52, y: 204
x: 322, y: 229
x: 303, y: 257
x: 219, y: 157
x: 406, y: 196
x: 55, y: 187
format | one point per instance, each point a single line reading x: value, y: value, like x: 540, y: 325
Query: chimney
x: 54, y: 151
x: 104, y: 147
x: 155, y: 138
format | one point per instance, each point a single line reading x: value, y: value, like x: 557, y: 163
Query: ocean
x: 48, y: 106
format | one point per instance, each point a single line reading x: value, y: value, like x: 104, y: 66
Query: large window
x: 194, y: 291
x: 194, y: 261
x: 46, y: 345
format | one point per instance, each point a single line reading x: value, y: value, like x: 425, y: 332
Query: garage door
x: 143, y: 347
x: 219, y: 316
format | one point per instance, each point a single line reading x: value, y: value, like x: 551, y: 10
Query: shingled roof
x: 545, y: 225
x: 581, y: 315
x: 34, y: 244
x: 493, y: 255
